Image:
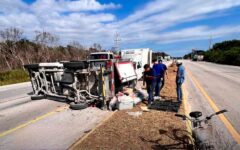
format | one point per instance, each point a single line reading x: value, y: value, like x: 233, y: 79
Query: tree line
x: 16, y: 51
x: 226, y: 52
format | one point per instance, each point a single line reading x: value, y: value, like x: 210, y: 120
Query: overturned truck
x: 82, y: 83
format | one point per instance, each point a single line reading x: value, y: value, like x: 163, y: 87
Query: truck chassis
x: 82, y: 83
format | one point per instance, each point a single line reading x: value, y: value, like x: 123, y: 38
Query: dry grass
x: 13, y: 76
x: 151, y: 130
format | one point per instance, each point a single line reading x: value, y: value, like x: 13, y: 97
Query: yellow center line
x: 228, y: 125
x: 186, y: 109
x: 32, y: 121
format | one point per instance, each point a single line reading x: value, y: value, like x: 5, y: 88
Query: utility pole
x: 193, y: 52
x: 210, y: 43
x: 116, y: 41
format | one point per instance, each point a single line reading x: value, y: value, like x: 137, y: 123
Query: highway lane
x: 14, y: 91
x: 41, y: 124
x: 57, y: 129
x: 222, y: 85
x: 15, y: 94
x: 17, y: 115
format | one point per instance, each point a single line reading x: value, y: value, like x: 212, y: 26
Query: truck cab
x: 101, y: 56
x: 139, y: 57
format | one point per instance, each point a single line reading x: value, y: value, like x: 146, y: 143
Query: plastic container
x: 125, y: 105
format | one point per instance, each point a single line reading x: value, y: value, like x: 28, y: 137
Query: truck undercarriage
x: 83, y: 83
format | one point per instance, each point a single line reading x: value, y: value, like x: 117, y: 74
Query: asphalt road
x: 221, y: 84
x: 41, y: 124
x: 15, y: 91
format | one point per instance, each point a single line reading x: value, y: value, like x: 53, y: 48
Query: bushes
x: 232, y: 56
x: 13, y: 76
x: 227, y: 52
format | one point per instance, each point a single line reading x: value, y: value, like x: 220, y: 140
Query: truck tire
x: 37, y: 97
x: 78, y: 106
x: 31, y: 66
x: 76, y: 65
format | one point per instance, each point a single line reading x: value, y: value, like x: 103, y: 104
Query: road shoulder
x: 153, y: 129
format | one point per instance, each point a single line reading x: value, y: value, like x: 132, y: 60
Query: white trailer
x: 139, y: 57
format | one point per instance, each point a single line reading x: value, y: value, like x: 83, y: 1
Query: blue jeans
x: 163, y: 82
x: 150, y: 89
x: 158, y: 86
x: 179, y: 83
x: 179, y: 92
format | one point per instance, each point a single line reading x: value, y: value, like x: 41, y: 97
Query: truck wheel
x: 78, y: 106
x: 32, y: 66
x: 76, y: 65
x: 37, y: 97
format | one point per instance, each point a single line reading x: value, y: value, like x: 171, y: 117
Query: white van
x: 140, y: 57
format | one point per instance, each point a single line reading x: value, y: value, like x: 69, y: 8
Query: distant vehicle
x: 197, y: 57
x: 159, y: 58
x: 139, y: 57
x: 167, y: 58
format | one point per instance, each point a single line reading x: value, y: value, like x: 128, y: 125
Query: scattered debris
x: 124, y: 102
x: 126, y: 99
x: 144, y: 108
x: 143, y: 132
x: 128, y: 91
x: 135, y: 114
x: 136, y: 100
x: 112, y: 103
x: 142, y: 94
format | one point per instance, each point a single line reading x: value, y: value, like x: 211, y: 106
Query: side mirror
x: 138, y: 66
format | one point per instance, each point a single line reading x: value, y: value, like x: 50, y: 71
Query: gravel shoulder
x: 150, y: 130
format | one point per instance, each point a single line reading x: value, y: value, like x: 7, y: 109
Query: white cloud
x: 88, y: 5
x: 87, y: 22
x: 196, y: 33
x: 12, y: 6
x: 149, y: 24
x: 41, y: 6
x: 70, y: 20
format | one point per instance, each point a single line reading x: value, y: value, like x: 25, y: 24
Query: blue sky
x: 172, y: 26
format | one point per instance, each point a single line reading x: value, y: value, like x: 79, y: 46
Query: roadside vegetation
x: 13, y: 76
x: 16, y: 51
x: 227, y: 52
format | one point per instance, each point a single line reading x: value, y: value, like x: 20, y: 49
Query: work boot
x: 149, y: 105
x: 179, y: 100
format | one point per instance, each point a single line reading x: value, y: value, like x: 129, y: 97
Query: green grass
x: 13, y: 76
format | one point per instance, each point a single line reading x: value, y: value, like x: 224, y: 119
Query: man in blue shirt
x: 164, y: 73
x: 179, y: 80
x: 159, y: 70
x: 149, y: 78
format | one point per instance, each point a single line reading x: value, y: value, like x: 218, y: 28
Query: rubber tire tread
x: 78, y: 106
x: 37, y: 97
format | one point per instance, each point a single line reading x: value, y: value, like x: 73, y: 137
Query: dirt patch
x: 169, y: 90
x: 150, y: 130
